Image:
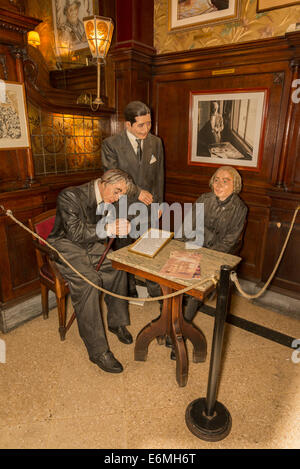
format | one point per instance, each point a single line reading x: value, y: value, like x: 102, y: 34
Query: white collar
x: 132, y: 139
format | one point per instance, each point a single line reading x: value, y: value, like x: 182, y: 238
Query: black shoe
x: 173, y: 354
x: 122, y: 333
x: 107, y: 362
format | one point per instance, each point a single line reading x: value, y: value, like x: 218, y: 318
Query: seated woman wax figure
x: 224, y: 219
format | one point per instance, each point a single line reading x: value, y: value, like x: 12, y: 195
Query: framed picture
x: 266, y: 5
x: 68, y: 25
x: 14, y: 129
x: 151, y: 242
x: 227, y: 127
x: 194, y: 13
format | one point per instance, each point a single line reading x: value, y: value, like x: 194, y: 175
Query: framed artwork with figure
x: 14, y: 129
x: 68, y: 25
x: 185, y: 14
x: 227, y: 127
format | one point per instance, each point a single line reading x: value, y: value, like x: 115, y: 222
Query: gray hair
x: 112, y: 176
x: 237, y: 180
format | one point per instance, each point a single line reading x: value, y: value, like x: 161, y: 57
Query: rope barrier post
x: 207, y: 418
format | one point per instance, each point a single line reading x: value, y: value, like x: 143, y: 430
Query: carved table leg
x: 172, y: 324
x: 156, y: 328
x: 197, y: 338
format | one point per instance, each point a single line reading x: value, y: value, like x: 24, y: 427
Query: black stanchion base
x: 213, y: 428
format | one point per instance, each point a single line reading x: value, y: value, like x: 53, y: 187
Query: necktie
x: 139, y: 149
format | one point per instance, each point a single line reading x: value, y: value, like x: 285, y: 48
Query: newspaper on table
x: 185, y: 265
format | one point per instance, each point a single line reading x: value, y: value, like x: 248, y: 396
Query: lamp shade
x: 33, y: 38
x: 98, y: 31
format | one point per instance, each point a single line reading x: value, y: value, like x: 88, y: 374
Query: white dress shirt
x: 132, y: 139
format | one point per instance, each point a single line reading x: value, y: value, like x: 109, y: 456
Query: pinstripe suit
x: 117, y: 152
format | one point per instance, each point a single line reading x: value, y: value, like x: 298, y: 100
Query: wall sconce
x: 98, y: 31
x: 33, y: 38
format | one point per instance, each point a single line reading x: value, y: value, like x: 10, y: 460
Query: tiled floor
x: 52, y: 396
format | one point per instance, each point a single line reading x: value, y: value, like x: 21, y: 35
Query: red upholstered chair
x: 50, y: 276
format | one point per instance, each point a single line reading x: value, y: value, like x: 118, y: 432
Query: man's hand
x: 119, y: 227
x: 145, y: 197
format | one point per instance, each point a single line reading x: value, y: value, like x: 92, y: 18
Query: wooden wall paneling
x: 292, y: 170
x: 287, y: 276
x: 18, y: 274
x: 132, y: 54
x: 17, y: 6
x: 7, y: 64
x: 172, y: 116
x: 132, y: 79
x: 291, y: 179
x: 287, y: 126
x: 58, y: 91
x: 23, y: 268
x: 260, y: 64
x: 253, y: 249
x: 185, y: 189
x: 13, y: 29
x: 29, y: 175
x: 5, y: 273
x: 13, y: 169
x: 137, y: 29
x: 14, y: 26
x: 81, y: 80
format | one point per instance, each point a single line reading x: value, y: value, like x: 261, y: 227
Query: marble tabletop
x: 210, y: 263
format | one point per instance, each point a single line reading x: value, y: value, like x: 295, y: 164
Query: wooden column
x: 287, y: 127
x: 132, y: 53
x: 28, y: 151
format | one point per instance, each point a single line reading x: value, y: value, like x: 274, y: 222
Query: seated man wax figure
x: 224, y: 219
x: 75, y: 236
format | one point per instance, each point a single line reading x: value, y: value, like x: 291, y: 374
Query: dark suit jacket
x: 76, y: 217
x: 74, y: 236
x: 223, y: 221
x: 117, y: 152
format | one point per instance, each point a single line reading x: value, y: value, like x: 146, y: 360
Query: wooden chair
x: 50, y: 276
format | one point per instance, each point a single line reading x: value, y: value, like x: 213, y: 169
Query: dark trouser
x: 192, y: 306
x: 152, y: 287
x: 85, y: 298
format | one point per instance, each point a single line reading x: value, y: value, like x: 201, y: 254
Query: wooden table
x: 171, y: 321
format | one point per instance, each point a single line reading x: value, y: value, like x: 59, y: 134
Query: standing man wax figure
x: 75, y: 236
x: 140, y: 154
x: 224, y: 219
